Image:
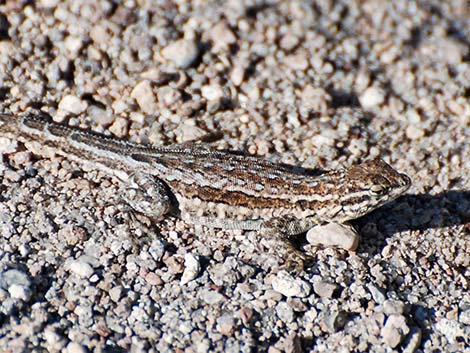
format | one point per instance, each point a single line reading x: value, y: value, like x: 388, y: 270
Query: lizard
x: 216, y: 188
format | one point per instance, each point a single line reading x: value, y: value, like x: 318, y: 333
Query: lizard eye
x: 378, y: 189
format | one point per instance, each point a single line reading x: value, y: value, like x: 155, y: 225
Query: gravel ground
x: 323, y: 85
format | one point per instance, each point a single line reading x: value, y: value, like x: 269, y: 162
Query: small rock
x: 119, y: 127
x: 334, y: 235
x: 394, y: 330
x: 115, y: 293
x: 289, y: 41
x: 153, y: 279
x: 392, y: 307
x: 451, y: 329
x: 7, y: 145
x: 377, y: 294
x: 324, y: 289
x: 289, y: 286
x: 73, y: 45
x: 72, y: 104
x: 49, y: 3
x: 212, y: 297
x: 292, y: 344
x: 285, y: 312
x: 246, y: 313
x: 144, y: 96
x: 81, y: 268
x: 192, y: 267
x: 222, y: 37
x: 315, y: 98
x: 55, y: 342
x: 74, y: 347
x: 175, y: 264
x: 372, y: 97
x: 19, y: 291
x: 464, y: 317
x: 212, y: 92
x: 225, y: 324
x: 298, y: 62
x: 224, y: 273
x: 157, y: 249
x: 413, y: 132
x: 182, y: 53
x: 413, y: 340
x: 16, y: 283
x: 238, y: 73
x: 334, y: 320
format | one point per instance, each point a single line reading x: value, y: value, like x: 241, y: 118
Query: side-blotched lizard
x: 219, y: 189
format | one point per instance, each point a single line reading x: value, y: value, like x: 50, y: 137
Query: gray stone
x: 324, y: 289
x: 285, y: 312
x: 394, y: 330
x: 181, y: 53
x: 289, y: 286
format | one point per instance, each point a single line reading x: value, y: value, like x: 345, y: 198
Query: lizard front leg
x: 147, y: 195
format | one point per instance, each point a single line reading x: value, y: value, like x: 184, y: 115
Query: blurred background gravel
x: 322, y: 84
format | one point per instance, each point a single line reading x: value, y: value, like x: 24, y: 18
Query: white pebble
x: 144, y: 96
x: 372, y: 97
x: 289, y: 286
x: 334, y: 235
x: 81, y: 268
x: 192, y: 267
x: 19, y: 292
x: 72, y: 104
x: 182, y: 53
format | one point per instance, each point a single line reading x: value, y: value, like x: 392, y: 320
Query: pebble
x: 212, y: 92
x: 285, y: 312
x: 334, y: 320
x: 192, y: 267
x: 453, y: 330
x: 414, y: 132
x: 289, y: 41
x: 81, y: 268
x: 324, y: 289
x: 464, y: 317
x: 394, y: 330
x: 182, y: 53
x: 392, y: 307
x: 72, y: 104
x: 74, y: 347
x: 212, y: 297
x: 119, y: 127
x: 289, y: 286
x: 372, y: 97
x: 225, y: 324
x: 157, y: 249
x: 18, y: 291
x: 413, y: 340
x: 292, y: 344
x: 145, y: 97
x: 334, y: 235
x: 16, y: 283
x: 298, y: 62
x: 377, y: 294
x: 222, y: 37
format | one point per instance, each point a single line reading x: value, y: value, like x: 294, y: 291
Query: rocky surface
x: 321, y: 85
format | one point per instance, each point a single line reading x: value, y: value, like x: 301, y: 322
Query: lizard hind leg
x: 282, y: 232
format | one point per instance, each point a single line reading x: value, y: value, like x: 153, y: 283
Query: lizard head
x: 371, y: 185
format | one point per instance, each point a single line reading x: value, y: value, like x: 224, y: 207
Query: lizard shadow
x: 417, y: 212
